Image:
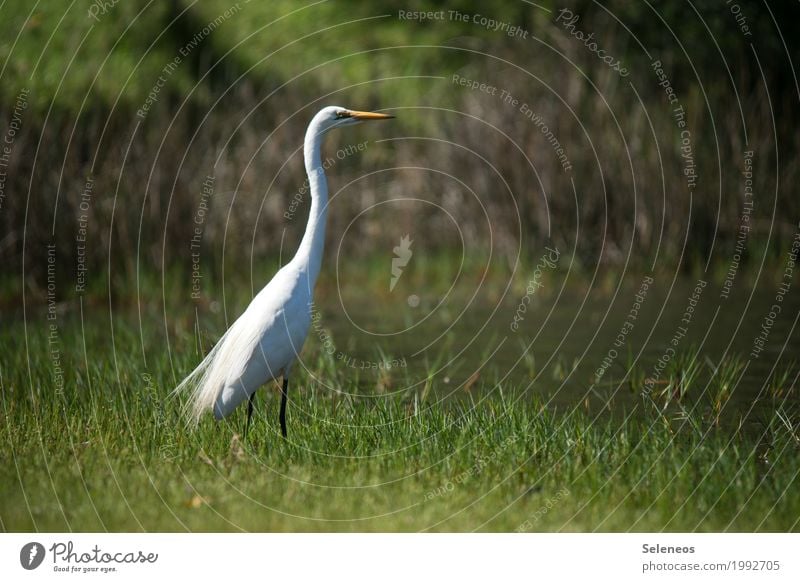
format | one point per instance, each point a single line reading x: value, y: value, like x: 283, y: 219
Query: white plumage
x: 263, y: 343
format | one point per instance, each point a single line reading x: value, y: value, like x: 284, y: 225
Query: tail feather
x: 224, y: 363
x: 204, y: 383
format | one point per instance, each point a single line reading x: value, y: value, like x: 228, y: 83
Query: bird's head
x: 335, y: 116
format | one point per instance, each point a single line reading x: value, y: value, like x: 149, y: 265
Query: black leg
x: 284, y: 392
x: 250, y: 403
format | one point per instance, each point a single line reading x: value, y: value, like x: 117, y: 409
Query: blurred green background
x: 246, y: 77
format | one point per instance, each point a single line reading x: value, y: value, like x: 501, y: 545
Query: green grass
x: 110, y: 451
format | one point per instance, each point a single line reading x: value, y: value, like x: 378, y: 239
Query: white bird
x: 264, y: 342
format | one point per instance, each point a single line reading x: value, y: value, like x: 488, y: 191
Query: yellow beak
x: 369, y: 115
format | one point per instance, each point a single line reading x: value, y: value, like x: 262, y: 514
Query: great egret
x: 263, y: 343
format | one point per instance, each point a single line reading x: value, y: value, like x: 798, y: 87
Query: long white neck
x: 309, y: 254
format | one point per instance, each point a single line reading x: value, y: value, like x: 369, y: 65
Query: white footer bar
x: 401, y: 557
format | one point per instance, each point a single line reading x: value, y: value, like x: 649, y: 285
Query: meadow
x: 101, y: 444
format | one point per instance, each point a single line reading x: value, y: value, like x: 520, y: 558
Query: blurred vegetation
x: 235, y: 106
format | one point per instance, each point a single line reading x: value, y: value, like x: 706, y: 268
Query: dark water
x: 571, y: 345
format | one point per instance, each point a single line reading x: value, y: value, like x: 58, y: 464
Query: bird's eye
x: 341, y: 114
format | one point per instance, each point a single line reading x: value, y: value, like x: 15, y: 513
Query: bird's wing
x: 239, y: 355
